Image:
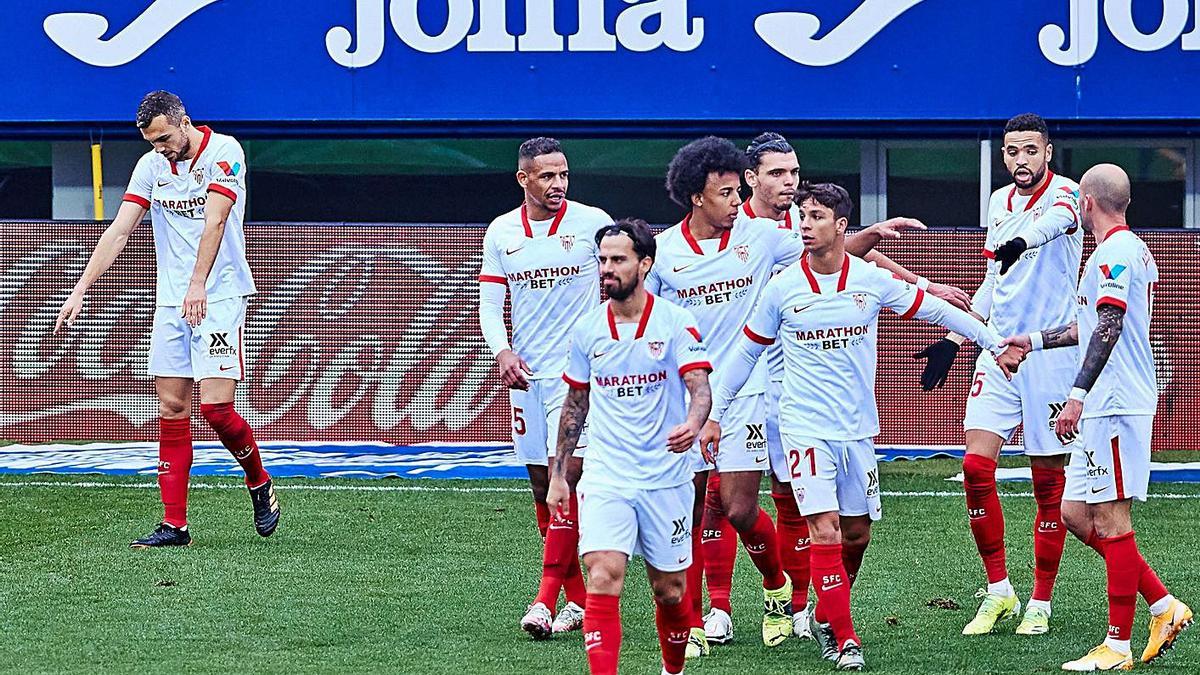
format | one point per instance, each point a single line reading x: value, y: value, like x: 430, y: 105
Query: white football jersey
x: 1032, y: 294
x: 828, y: 324
x: 791, y: 222
x: 552, y: 275
x: 1121, y: 272
x: 175, y: 194
x: 720, y: 280
x: 634, y: 373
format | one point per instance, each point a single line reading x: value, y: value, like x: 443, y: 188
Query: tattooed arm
x: 1019, y: 346
x: 574, y: 414
x: 1110, y: 322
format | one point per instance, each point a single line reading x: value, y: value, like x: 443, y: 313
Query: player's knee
x: 824, y: 529
x: 604, y: 579
x: 978, y: 470
x: 669, y: 590
x: 742, y: 513
x: 1075, y: 518
x: 174, y: 408
x: 859, y: 535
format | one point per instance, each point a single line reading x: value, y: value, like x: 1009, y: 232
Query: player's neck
x: 630, y: 309
x: 537, y: 211
x: 762, y: 209
x: 829, y: 260
x: 700, y: 227
x: 195, y: 139
x: 1025, y: 192
x: 1105, y: 225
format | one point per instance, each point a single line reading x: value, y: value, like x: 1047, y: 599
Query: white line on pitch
x: 437, y: 488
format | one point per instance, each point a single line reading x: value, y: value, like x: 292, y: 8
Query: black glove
x: 1009, y: 251
x: 941, y: 356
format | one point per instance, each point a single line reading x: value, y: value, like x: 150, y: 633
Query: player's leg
x: 993, y: 414
x: 741, y: 462
x: 530, y: 442
x: 560, y: 554
x: 664, y: 525
x: 791, y: 528
x: 859, y: 503
x: 697, y: 641
x: 719, y: 541
x: 608, y: 533
x: 171, y: 366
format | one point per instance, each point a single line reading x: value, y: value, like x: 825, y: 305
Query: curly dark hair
x: 159, y: 103
x: 830, y: 195
x: 766, y: 143
x: 1028, y: 122
x: 689, y: 170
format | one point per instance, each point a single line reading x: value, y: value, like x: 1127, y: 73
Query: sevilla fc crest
x: 568, y: 241
x: 743, y: 252
x: 198, y: 176
x: 860, y: 300
x: 656, y: 348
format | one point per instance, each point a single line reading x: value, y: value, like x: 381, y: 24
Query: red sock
x: 561, y: 547
x: 833, y: 590
x: 237, y: 437
x: 602, y: 633
x: 174, y: 466
x: 573, y: 586
x: 720, y: 547
x: 1095, y: 543
x: 1123, y: 563
x: 543, y: 517
x: 1149, y: 586
x: 762, y: 545
x: 791, y: 531
x: 852, y: 559
x: 673, y: 629
x: 694, y: 595
x: 1049, y: 533
x: 983, y: 510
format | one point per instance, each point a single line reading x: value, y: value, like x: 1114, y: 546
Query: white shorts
x: 535, y: 417
x: 1113, y: 461
x: 775, y: 453
x: 743, y: 445
x: 1032, y: 399
x: 827, y: 476
x: 654, y: 523
x: 212, y: 349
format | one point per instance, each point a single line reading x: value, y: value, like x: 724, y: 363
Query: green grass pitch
x: 436, y: 581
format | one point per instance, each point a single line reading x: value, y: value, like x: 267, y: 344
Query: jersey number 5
x: 977, y: 385
x: 794, y: 458
x: 518, y: 421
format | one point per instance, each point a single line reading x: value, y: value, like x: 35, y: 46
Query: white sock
x: 1119, y: 646
x: 1002, y: 588
x: 1043, y: 605
x: 1162, y: 605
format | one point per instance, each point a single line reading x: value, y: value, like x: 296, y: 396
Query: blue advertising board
x: 603, y: 60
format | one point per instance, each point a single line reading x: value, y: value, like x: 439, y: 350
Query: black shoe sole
x: 269, y: 528
x: 141, y: 547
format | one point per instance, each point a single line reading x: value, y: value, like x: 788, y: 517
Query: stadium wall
x: 369, y: 332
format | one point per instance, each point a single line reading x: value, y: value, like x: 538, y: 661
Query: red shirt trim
x: 695, y: 333
x: 915, y: 306
x: 575, y: 384
x: 988, y: 254
x: 641, y: 329
x: 699, y: 365
x: 203, y: 144
x: 812, y: 280
x: 222, y: 190
x: 1118, y: 476
x: 756, y: 337
x: 493, y: 279
x: 1119, y: 228
x: 845, y: 274
x: 558, y: 218
x: 785, y: 224
x: 1033, y: 199
x: 1115, y: 302
x: 136, y: 199
x: 685, y: 227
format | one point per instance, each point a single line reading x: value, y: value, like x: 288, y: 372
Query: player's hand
x: 1067, y: 425
x: 681, y: 438
x: 513, y: 370
x: 893, y: 228
x: 710, y: 441
x: 195, y: 305
x: 1009, y: 252
x: 558, y: 497
x: 951, y: 294
x: 940, y: 357
x: 69, y: 310
x: 1010, y: 359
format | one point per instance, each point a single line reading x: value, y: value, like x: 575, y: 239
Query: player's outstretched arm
x: 574, y: 414
x: 216, y: 212
x: 684, y: 436
x: 1110, y: 321
x: 110, y: 245
x: 868, y: 238
x: 951, y: 294
x: 1058, y: 220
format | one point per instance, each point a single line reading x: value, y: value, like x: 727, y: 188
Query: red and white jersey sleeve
x: 552, y: 276
x: 175, y: 194
x: 1121, y: 272
x: 634, y: 376
x: 720, y: 280
x: 1032, y: 295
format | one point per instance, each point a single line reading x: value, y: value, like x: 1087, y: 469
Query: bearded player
x: 543, y: 257
x: 193, y: 184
